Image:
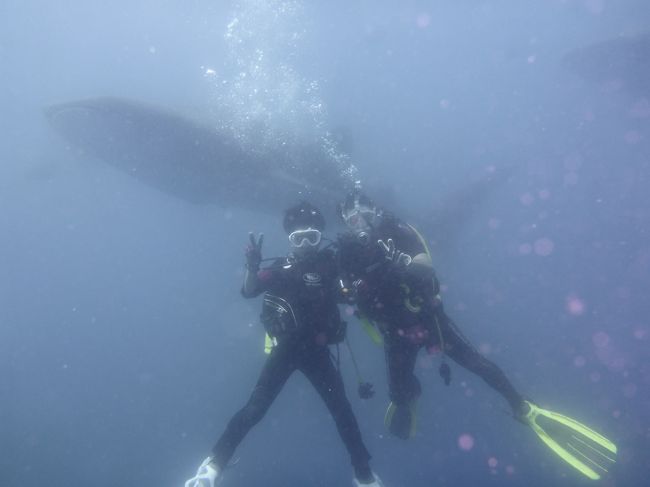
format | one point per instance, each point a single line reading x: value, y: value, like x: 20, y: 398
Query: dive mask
x: 308, y: 237
x: 359, y: 218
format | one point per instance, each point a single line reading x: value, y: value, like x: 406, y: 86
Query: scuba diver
x: 388, y: 273
x: 301, y: 317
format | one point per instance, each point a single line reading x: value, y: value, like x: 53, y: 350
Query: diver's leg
x: 403, y: 385
x: 277, y: 369
x: 463, y: 352
x: 317, y: 366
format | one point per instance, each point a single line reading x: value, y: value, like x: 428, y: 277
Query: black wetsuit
x: 300, y: 311
x: 409, y: 312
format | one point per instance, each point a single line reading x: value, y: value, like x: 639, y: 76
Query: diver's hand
x: 398, y: 259
x: 206, y: 475
x: 254, y: 252
x: 366, y: 390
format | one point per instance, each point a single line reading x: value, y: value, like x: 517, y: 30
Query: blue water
x: 125, y: 345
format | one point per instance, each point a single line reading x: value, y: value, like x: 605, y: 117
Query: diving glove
x: 394, y: 256
x: 366, y: 390
x: 206, y: 476
x: 254, y: 252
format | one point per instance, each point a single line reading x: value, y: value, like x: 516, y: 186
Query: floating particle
x: 423, y: 20
x: 485, y: 348
x: 460, y: 306
x: 527, y: 199
x: 525, y: 249
x: 601, y: 339
x: 466, y: 442
x: 575, y: 306
x: 573, y: 162
x: 544, y: 246
x: 493, y: 462
x: 571, y: 179
x: 595, y: 7
x: 632, y: 137
x: 623, y: 292
x: 629, y: 390
x: 579, y: 361
x: 641, y: 109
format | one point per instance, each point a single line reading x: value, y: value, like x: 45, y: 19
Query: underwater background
x: 125, y: 346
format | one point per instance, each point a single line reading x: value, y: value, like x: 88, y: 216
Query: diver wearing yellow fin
x: 388, y: 272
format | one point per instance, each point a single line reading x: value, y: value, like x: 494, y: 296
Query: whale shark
x: 204, y: 165
x: 192, y: 160
x: 621, y: 63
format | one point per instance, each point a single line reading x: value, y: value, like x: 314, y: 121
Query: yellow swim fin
x: 371, y: 330
x: 269, y: 343
x: 585, y: 450
x: 402, y: 421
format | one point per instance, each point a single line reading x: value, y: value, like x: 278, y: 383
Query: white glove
x: 206, y: 475
x: 397, y: 258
